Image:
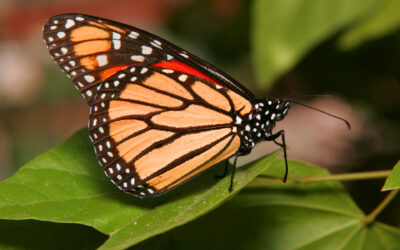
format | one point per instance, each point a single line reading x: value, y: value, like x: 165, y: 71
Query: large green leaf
x: 67, y: 185
x: 383, y: 20
x: 31, y: 234
x: 283, y: 31
x: 272, y: 215
x: 393, y: 181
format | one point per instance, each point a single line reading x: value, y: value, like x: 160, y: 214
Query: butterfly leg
x: 225, y: 170
x: 273, y: 137
x: 233, y: 172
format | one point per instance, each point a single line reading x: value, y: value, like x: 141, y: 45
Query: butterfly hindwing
x: 154, y: 129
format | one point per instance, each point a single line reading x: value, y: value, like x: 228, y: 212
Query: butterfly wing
x: 158, y: 115
x: 90, y: 49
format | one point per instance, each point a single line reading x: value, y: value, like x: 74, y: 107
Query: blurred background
x: 349, y: 49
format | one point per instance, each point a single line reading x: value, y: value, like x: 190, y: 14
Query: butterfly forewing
x: 158, y: 115
x: 153, y: 129
x: 89, y: 50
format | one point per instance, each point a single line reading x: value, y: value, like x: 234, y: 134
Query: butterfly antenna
x: 324, y: 112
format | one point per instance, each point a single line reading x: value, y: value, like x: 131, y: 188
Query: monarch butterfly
x: 158, y: 114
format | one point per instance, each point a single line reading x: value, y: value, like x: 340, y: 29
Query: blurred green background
x: 281, y: 48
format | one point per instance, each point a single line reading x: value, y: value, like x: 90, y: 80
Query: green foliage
x: 283, y: 216
x: 283, y: 31
x: 67, y: 185
x: 393, y: 181
x: 384, y: 20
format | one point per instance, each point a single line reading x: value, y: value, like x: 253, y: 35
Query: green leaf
x: 385, y: 19
x: 283, y: 31
x: 31, y: 234
x: 283, y: 216
x: 393, y: 181
x: 67, y: 185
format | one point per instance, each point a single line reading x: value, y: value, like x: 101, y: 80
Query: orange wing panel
x: 240, y: 103
x: 123, y: 128
x: 138, y: 93
x: 211, y: 95
x: 167, y: 84
x: 159, y: 158
x: 119, y: 109
x: 192, y: 116
x: 195, y: 165
x: 129, y: 149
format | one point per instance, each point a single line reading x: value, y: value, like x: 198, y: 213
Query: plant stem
x: 371, y: 217
x: 312, y: 179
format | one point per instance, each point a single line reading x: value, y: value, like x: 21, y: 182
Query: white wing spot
x: 127, y: 170
x: 94, y: 123
x: 182, y: 78
x: 168, y: 71
x: 55, y: 21
x: 133, y: 78
x: 122, y: 75
x: 150, y: 191
x: 144, y: 70
x: 78, y: 18
x: 116, y: 35
x: 108, y: 144
x: 106, y: 85
x: 110, y: 154
x: 153, y: 43
x: 137, y: 58
x: 184, y: 55
x: 146, y: 50
x: 73, y: 73
x: 118, y: 167
x: 89, y: 93
x: 103, y: 96
x: 69, y: 23
x: 64, y: 50
x: 117, y: 44
x: 101, y: 130
x: 119, y: 177
x: 80, y: 84
x: 89, y: 78
x: 132, y: 181
x: 50, y: 39
x: 169, y: 57
x: 53, y: 27
x: 60, y: 34
x: 110, y: 170
x: 116, y: 83
x: 125, y: 185
x: 102, y: 60
x: 133, y: 35
x: 72, y: 63
x: 132, y: 69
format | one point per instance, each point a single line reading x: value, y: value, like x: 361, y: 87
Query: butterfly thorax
x: 258, y: 125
